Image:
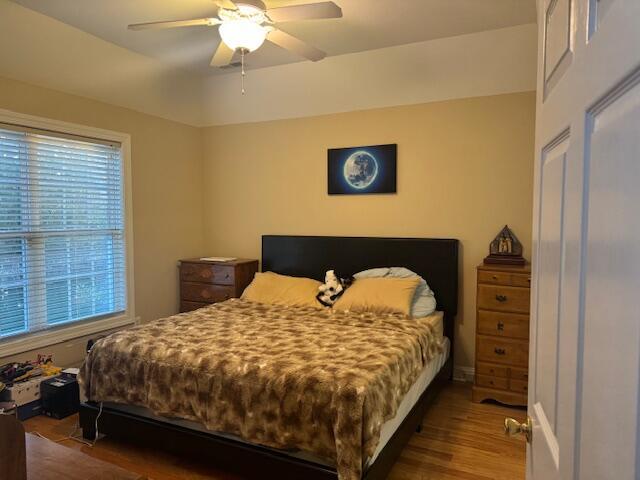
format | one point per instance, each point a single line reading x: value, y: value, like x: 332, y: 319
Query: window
x: 63, y: 255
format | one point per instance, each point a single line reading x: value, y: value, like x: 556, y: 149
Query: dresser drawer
x: 492, y: 382
x: 521, y: 374
x: 207, y: 273
x: 504, y: 278
x: 494, y: 278
x: 205, y: 293
x: 520, y: 280
x: 512, y: 325
x: 508, y: 299
x: 518, y: 386
x: 503, y: 350
x: 492, y: 370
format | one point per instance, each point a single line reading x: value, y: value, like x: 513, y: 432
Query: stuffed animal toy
x: 332, y: 288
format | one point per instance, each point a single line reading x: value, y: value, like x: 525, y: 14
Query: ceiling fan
x: 244, y: 25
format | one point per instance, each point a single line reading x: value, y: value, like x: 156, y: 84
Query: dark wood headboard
x: 434, y: 259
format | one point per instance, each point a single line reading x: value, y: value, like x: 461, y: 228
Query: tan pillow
x: 379, y: 294
x: 269, y: 287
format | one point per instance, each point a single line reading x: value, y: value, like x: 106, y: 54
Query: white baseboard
x: 463, y: 374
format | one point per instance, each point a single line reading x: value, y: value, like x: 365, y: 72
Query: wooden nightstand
x: 204, y: 282
x: 502, y: 334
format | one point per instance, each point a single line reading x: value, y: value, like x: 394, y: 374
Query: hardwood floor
x: 459, y: 440
x: 463, y: 440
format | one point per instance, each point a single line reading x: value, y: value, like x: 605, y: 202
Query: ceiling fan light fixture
x: 244, y: 25
x: 249, y: 10
x: 243, y: 34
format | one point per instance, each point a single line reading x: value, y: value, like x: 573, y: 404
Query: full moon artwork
x: 362, y: 170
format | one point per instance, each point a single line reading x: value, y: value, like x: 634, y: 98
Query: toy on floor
x: 19, y: 372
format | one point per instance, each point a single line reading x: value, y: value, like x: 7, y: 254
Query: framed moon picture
x: 362, y: 170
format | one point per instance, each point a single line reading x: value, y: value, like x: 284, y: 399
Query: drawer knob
x: 501, y: 298
x: 495, y: 277
x: 499, y: 351
x: 500, y: 326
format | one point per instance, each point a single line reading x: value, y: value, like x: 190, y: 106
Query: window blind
x: 62, y: 251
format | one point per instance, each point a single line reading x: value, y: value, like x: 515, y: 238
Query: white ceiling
x: 366, y: 25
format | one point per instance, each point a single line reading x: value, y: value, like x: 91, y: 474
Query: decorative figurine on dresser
x: 208, y: 280
x: 502, y: 323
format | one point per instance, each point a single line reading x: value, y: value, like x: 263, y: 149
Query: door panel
x: 584, y: 324
x: 549, y: 279
x: 557, y: 42
x: 612, y: 261
x: 597, y: 11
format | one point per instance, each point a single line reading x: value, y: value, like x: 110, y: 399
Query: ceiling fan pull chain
x: 243, y: 74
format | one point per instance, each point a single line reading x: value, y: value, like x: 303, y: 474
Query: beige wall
x: 464, y: 170
x: 167, y: 193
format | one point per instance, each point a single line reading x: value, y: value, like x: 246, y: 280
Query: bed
x: 360, y: 454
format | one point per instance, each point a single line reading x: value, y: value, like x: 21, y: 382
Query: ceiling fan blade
x: 228, y: 4
x: 175, y: 23
x: 289, y: 42
x: 223, y: 56
x: 309, y: 11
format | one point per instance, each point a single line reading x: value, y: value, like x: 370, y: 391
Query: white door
x: 585, y: 315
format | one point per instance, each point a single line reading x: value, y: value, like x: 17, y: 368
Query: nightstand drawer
x: 492, y: 382
x: 512, y: 325
x: 207, y: 273
x: 492, y: 370
x: 205, y: 293
x: 508, y: 299
x: 503, y: 350
x: 189, y: 306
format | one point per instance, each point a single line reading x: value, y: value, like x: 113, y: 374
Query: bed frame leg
x: 89, y: 433
x: 87, y: 422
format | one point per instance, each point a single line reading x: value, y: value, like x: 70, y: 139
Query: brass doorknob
x: 513, y: 427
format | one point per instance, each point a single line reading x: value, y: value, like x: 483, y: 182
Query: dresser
x: 203, y: 282
x: 502, y: 334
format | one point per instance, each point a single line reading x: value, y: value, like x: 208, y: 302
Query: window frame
x: 32, y: 340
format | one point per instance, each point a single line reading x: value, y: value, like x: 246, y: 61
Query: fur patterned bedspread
x: 290, y: 378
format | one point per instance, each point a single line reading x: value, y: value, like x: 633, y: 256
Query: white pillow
x: 424, y: 301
